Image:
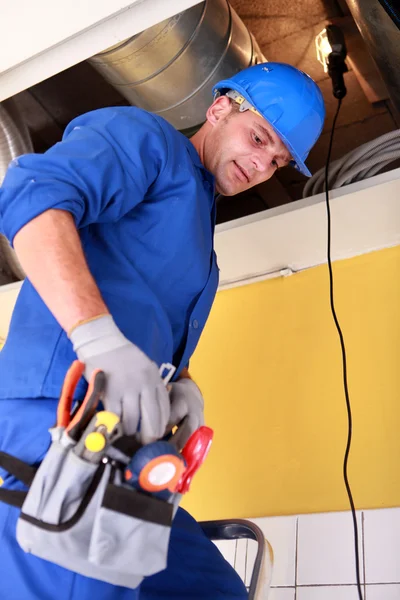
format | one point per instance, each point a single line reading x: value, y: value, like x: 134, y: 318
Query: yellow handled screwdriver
x: 103, y: 429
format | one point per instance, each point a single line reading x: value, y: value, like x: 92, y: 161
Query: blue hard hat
x: 288, y: 99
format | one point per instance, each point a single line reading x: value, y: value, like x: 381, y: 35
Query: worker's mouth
x: 240, y: 173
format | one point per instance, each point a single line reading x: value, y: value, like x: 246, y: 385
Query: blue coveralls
x: 144, y: 207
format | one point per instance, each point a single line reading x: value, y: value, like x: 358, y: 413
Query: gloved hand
x: 134, y: 388
x: 187, y: 410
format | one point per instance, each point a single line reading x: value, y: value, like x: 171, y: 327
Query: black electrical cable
x: 345, y: 384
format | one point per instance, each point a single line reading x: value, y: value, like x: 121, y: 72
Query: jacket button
x: 195, y: 324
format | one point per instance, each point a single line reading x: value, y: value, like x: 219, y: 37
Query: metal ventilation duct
x: 382, y: 37
x: 14, y: 141
x: 169, y: 69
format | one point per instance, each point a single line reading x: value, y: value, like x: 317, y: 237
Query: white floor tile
x: 383, y: 592
x: 334, y: 592
x: 227, y: 549
x: 252, y: 548
x: 382, y: 545
x: 281, y: 534
x: 281, y: 594
x: 325, y: 550
x: 241, y: 558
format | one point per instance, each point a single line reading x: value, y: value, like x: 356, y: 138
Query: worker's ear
x: 219, y: 110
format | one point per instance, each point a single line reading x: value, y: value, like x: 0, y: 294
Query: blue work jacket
x: 144, y: 207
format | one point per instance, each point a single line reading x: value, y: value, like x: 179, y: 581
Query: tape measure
x: 155, y: 468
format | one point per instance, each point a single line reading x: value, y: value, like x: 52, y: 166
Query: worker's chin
x: 227, y: 187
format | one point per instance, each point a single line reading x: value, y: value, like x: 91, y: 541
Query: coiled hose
x: 363, y: 162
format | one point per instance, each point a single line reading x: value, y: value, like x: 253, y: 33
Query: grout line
x: 296, y: 555
x: 245, y: 560
x: 386, y: 583
x: 333, y: 585
x: 325, y: 585
x: 363, y: 553
x: 234, y: 558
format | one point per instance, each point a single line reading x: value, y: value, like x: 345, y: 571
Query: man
x: 114, y: 228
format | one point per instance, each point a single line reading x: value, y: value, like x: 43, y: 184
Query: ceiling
x: 285, y: 31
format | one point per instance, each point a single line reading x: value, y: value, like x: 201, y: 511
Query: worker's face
x: 242, y: 149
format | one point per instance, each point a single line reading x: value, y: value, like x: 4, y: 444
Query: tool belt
x: 100, y: 510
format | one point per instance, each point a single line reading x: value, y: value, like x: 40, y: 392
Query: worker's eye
x: 256, y: 139
x: 274, y: 164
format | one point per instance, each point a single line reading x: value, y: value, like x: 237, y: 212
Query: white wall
x: 39, y: 39
x: 365, y: 217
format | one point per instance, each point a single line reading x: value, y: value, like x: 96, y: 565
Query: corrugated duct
x: 14, y: 141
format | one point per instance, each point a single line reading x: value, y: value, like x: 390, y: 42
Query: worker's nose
x: 263, y: 164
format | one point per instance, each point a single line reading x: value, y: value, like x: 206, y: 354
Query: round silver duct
x: 14, y: 141
x: 169, y: 69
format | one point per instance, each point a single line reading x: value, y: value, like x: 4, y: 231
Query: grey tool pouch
x: 82, y: 516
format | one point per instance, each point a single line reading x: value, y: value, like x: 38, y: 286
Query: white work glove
x: 134, y: 389
x: 187, y: 410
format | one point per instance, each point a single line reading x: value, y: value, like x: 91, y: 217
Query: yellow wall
x: 269, y: 365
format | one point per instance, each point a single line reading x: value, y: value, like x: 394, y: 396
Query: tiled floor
x: 241, y: 558
x: 281, y: 594
x: 326, y: 553
x: 382, y: 592
x: 382, y: 546
x: 281, y: 534
x: 228, y: 550
x: 334, y: 592
x: 314, y: 556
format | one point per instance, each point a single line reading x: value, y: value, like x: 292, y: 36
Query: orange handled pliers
x: 76, y: 423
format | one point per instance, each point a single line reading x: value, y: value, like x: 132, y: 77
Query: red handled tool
x: 76, y: 423
x: 194, y: 453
